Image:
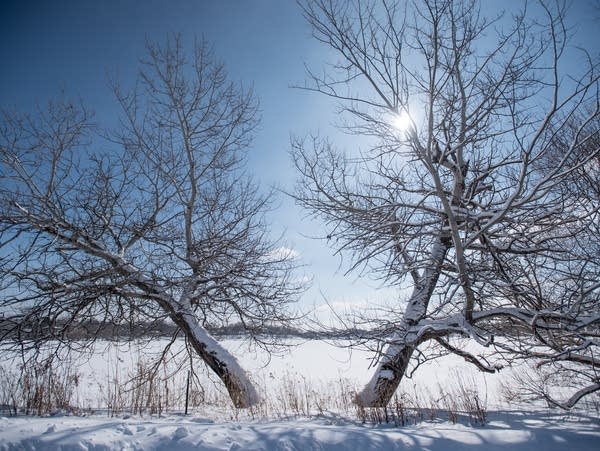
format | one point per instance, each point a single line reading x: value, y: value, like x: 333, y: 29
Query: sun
x: 401, y: 121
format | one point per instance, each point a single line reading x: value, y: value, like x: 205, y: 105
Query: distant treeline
x: 17, y: 329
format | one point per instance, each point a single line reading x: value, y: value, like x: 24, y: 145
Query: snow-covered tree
x: 155, y: 221
x: 459, y: 192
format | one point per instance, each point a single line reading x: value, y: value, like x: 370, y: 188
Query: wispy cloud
x: 283, y: 253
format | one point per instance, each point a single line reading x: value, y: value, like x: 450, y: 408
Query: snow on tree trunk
x: 241, y: 390
x: 393, y: 363
x: 379, y: 390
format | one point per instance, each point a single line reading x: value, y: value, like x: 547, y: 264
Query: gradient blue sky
x: 76, y: 45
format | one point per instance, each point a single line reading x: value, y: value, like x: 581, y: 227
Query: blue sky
x: 46, y: 46
x: 77, y: 46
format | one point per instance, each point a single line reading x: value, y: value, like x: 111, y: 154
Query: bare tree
x: 449, y: 197
x: 161, y: 225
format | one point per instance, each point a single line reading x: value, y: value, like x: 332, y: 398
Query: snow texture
x: 507, y: 430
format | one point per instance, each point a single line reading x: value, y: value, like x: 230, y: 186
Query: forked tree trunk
x: 395, y: 359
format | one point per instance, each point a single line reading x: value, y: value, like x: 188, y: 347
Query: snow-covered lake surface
x: 310, y: 363
x: 304, y: 410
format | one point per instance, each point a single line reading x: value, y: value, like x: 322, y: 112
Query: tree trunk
x: 241, y: 390
x: 392, y: 366
x: 379, y: 390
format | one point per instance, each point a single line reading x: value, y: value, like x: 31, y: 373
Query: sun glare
x: 401, y: 121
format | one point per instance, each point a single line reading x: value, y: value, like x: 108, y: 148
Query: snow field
x: 516, y: 431
x: 307, y: 394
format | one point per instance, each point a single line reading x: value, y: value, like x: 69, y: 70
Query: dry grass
x: 39, y: 388
x: 461, y: 400
x: 147, y: 390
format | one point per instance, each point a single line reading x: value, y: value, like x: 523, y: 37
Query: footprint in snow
x: 180, y: 433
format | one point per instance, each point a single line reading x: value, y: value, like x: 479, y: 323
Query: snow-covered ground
x: 303, y: 411
x: 506, y: 430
